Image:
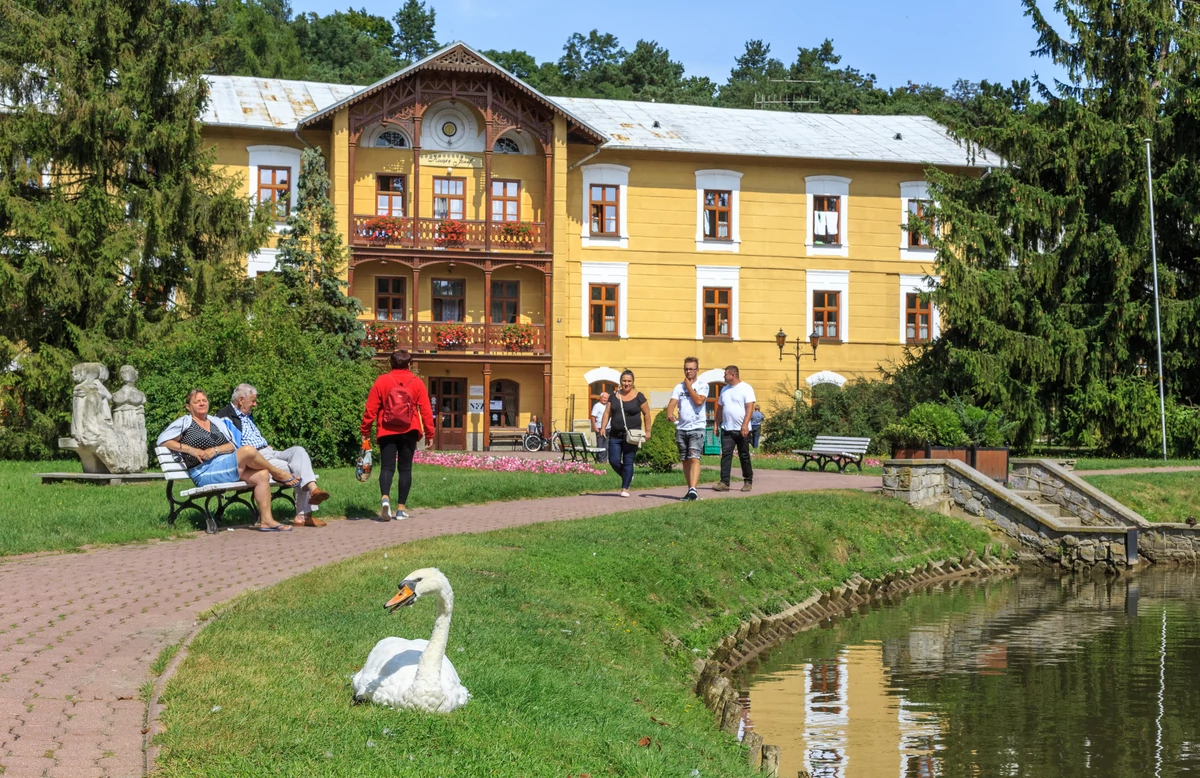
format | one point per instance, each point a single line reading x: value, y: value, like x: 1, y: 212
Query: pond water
x: 1030, y: 676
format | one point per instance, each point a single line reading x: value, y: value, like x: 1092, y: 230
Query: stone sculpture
x: 106, y: 444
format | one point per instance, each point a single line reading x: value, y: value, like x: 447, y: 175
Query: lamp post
x: 1162, y: 401
x: 797, y: 352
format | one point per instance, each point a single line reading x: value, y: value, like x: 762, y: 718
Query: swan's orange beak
x: 406, y: 596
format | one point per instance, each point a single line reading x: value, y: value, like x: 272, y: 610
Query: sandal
x: 293, y: 482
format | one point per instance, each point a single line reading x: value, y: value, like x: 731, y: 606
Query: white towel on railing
x: 819, y: 227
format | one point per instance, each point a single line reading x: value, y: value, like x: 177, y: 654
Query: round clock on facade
x: 449, y: 129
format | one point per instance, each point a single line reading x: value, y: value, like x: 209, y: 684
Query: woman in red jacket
x: 400, y: 404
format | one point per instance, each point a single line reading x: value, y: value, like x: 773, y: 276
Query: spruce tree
x: 311, y: 259
x: 111, y: 212
x: 415, y: 36
x: 1046, y: 293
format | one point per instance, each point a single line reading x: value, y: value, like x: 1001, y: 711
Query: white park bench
x: 200, y: 498
x: 839, y: 451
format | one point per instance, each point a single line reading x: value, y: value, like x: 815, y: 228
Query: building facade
x: 527, y: 249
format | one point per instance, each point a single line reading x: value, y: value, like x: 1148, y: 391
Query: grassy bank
x: 58, y: 517
x: 1116, y: 464
x: 1166, y: 497
x: 558, y: 632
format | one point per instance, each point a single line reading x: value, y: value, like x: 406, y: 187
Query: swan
x: 414, y: 674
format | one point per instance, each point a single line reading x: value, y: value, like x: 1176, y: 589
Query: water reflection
x: 1032, y: 676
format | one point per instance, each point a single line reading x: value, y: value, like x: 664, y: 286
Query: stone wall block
x: 770, y: 763
x: 754, y: 745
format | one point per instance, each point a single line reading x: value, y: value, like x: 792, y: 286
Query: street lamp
x: 781, y: 341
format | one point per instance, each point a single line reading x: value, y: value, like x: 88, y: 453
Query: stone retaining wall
x: 761, y: 633
x: 1059, y: 486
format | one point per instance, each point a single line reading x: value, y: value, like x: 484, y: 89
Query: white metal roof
x: 742, y: 132
x: 267, y: 103
x: 276, y: 104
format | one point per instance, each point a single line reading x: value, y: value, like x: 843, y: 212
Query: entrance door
x: 448, y: 396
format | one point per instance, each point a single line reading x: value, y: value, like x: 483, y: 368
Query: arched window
x: 391, y: 139
x: 595, y: 389
x: 506, y: 146
x: 504, y: 403
x: 710, y: 405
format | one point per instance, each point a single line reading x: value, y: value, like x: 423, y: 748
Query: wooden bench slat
x: 838, y: 450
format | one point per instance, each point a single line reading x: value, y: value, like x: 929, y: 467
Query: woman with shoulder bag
x: 629, y: 413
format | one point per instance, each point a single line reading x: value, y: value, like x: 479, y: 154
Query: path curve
x: 78, y: 632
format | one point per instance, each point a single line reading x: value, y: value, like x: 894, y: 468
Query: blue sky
x: 934, y: 41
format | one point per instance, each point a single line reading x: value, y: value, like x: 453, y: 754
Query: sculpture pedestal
x: 87, y: 455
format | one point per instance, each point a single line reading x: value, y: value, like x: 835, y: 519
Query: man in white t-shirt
x: 735, y: 407
x: 686, y: 409
x: 601, y: 434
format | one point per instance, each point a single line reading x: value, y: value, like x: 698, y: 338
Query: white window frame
x: 913, y: 190
x: 829, y: 281
x: 826, y: 377
x: 914, y: 284
x: 831, y: 186
x: 605, y: 273
x: 606, y: 175
x: 373, y: 136
x: 275, y: 156
x: 718, y: 276
x: 724, y: 180
x: 261, y: 261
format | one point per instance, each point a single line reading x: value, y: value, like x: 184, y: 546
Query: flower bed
x: 502, y: 464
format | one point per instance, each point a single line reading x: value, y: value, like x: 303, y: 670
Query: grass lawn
x: 1114, y: 464
x: 1166, y: 497
x: 558, y: 632
x: 58, y: 517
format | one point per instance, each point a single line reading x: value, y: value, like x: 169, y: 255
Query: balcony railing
x: 447, y: 234
x: 388, y: 336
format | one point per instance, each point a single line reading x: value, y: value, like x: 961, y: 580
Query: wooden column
x: 547, y: 311
x: 548, y: 213
x: 487, y: 173
x: 487, y: 309
x: 415, y: 186
x: 416, y: 305
x: 546, y: 400
x: 350, y: 188
x: 487, y: 406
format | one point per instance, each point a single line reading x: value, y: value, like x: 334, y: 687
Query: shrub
x: 983, y: 427
x: 927, y: 423
x: 860, y: 409
x: 659, y: 453
x: 307, y: 395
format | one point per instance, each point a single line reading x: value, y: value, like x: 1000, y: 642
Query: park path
x: 78, y: 632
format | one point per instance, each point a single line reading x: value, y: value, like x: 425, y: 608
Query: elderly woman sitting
x: 211, y: 450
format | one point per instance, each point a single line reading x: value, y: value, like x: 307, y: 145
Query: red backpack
x: 399, y: 407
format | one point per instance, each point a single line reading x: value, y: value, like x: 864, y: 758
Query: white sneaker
x: 400, y: 515
x: 624, y: 492
x: 385, y: 510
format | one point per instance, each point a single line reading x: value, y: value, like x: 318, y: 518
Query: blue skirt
x: 221, y: 469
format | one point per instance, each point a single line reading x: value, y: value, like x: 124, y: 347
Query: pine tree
x: 311, y: 258
x: 111, y: 212
x: 415, y: 37
x: 1045, y: 292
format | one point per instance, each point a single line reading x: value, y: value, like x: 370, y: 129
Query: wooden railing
x: 388, y: 336
x: 446, y: 234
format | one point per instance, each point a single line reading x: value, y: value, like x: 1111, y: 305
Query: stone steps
x: 1054, y: 509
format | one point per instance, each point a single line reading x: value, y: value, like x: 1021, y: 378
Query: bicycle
x: 533, y: 442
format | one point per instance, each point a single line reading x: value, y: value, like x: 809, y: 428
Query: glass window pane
x: 381, y: 285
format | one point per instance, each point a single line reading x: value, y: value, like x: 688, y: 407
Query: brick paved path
x: 79, y: 631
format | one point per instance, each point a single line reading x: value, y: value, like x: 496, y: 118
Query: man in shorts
x: 686, y: 409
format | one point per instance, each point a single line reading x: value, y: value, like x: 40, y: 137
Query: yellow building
x: 527, y: 248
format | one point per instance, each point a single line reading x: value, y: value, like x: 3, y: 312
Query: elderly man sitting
x: 240, y: 411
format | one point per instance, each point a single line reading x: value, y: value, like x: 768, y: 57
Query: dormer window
x: 506, y: 146
x: 391, y: 139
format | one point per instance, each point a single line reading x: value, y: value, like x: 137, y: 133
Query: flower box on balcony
x: 383, y: 229
x: 516, y: 234
x: 518, y: 337
x: 451, y: 234
x: 382, y: 337
x: 452, y: 336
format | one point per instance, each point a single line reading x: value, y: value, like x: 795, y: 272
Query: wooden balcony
x: 447, y: 234
x: 455, y: 338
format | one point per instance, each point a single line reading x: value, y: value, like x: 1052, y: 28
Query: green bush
x: 1119, y: 415
x: 308, y: 395
x: 659, y: 454
x: 927, y: 423
x: 1183, y: 430
x: 983, y: 427
x: 860, y: 409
